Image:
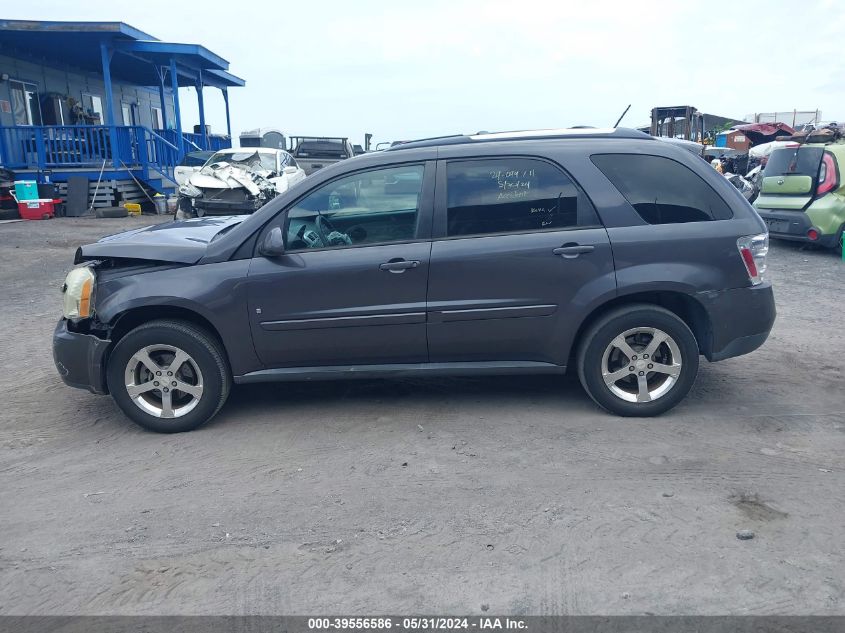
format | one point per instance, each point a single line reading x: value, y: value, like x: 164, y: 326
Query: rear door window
x: 511, y: 195
x: 661, y: 190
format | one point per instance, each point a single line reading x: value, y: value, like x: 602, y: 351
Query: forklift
x: 684, y: 122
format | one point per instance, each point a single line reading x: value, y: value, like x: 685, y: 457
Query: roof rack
x: 558, y: 133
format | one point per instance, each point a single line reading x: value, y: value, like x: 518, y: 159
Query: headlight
x: 78, y: 291
x: 189, y: 190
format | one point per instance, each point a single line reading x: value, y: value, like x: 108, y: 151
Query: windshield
x: 195, y: 159
x: 253, y: 160
x: 798, y: 161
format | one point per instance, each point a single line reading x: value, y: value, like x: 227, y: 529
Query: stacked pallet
x: 110, y: 193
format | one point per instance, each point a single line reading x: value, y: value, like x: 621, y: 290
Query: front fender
x: 215, y: 292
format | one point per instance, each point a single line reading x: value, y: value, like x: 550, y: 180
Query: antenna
x: 623, y: 116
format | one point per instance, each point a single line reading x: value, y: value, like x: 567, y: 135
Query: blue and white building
x: 102, y: 99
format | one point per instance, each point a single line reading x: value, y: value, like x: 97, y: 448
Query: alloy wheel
x: 163, y: 381
x: 641, y: 364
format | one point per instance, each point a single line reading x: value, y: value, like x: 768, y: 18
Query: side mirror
x: 273, y: 244
x: 290, y: 169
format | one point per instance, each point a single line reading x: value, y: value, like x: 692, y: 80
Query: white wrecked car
x: 237, y: 181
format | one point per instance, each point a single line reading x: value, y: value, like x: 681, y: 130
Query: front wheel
x: 168, y: 376
x: 638, y: 360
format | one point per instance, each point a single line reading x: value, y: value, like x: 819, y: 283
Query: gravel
x: 571, y: 496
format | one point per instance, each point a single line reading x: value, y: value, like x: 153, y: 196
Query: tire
x: 598, y: 356
x: 180, y: 215
x: 110, y: 212
x: 203, y: 369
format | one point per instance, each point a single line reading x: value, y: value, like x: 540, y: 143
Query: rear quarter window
x: 661, y: 190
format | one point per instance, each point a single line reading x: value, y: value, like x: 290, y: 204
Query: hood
x: 210, y: 181
x: 182, y: 242
x: 224, y: 175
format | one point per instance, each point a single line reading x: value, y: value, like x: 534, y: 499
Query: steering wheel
x: 324, y: 228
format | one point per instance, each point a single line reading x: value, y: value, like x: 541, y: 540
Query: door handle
x: 399, y: 265
x: 570, y: 251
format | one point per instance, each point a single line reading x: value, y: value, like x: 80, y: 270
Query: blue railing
x: 193, y: 142
x: 90, y: 146
x: 216, y: 142
x: 64, y: 146
x: 162, y: 155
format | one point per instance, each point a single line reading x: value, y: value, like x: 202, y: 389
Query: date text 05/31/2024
x: 416, y: 624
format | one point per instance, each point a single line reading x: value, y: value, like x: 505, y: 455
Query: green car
x: 802, y: 197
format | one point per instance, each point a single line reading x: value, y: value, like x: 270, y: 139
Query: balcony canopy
x: 136, y: 59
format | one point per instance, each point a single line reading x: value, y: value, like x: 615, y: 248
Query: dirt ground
x: 426, y: 496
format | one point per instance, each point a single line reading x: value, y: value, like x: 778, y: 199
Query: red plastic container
x: 36, y: 209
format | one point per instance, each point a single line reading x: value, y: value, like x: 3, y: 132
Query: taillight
x: 828, y: 180
x: 753, y: 250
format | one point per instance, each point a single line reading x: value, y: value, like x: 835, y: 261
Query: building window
x: 127, y: 111
x: 158, y: 118
x: 25, y: 105
x: 93, y: 107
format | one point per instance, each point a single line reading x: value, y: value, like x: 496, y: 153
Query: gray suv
x: 602, y: 251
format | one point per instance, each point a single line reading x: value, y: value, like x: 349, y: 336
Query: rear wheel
x: 638, y: 360
x: 168, y: 376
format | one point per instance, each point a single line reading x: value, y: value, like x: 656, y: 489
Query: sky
x: 410, y: 69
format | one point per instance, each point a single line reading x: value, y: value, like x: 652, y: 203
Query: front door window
x: 373, y: 207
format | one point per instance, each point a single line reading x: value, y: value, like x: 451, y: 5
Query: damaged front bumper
x: 226, y: 207
x: 80, y: 358
x: 211, y: 206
